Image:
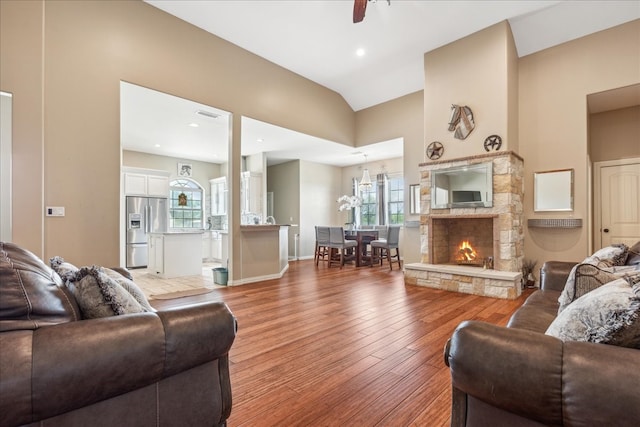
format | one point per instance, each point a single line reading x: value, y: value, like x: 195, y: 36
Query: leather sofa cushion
x: 33, y: 295
x: 537, y: 313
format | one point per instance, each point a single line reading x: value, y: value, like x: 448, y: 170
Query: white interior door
x: 619, y: 202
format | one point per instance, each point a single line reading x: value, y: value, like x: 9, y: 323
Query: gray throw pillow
x: 131, y: 287
x: 64, y: 269
x: 68, y: 272
x: 607, y: 315
x: 98, y: 295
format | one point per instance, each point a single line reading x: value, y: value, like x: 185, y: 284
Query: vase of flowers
x: 349, y: 203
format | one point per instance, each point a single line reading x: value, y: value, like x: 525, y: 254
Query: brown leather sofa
x: 518, y: 376
x: 164, y: 368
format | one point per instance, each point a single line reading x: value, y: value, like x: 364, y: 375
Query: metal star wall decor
x: 435, y: 150
x: 492, y: 142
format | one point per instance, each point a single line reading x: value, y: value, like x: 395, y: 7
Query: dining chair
x: 382, y: 231
x: 338, y: 242
x: 381, y: 248
x: 322, y: 242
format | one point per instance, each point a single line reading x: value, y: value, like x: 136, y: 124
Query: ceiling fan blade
x: 359, y: 7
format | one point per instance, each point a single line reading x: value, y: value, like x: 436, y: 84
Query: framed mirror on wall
x: 553, y: 191
x: 414, y: 199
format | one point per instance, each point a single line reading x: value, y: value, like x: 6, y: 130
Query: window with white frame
x: 186, y: 207
x: 369, y: 207
x: 395, y: 205
x: 390, y: 192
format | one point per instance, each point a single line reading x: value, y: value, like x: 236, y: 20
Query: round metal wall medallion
x: 435, y: 150
x: 493, y: 142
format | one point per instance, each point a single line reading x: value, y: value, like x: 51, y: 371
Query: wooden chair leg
x: 389, y: 259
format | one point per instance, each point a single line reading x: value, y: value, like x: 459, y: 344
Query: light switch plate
x: 55, y: 211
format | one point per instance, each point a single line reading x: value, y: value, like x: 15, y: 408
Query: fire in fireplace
x: 466, y: 254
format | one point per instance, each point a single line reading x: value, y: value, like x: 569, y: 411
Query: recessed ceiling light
x: 360, y: 52
x: 260, y: 140
x: 157, y: 145
x: 194, y: 125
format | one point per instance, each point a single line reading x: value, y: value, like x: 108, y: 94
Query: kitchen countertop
x: 262, y: 227
x: 178, y: 232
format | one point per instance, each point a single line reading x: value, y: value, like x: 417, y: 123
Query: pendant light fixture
x: 365, y: 182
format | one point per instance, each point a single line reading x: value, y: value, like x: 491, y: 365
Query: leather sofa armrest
x: 84, y: 362
x: 543, y: 379
x: 554, y: 274
x: 515, y: 370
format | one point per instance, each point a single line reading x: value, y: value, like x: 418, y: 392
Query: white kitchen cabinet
x: 175, y: 254
x: 157, y: 186
x: 251, y: 193
x: 218, y: 196
x: 216, y: 246
x: 146, y: 183
x: 206, y: 245
x: 156, y: 255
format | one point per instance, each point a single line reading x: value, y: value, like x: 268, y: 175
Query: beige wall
x: 284, y: 181
x: 402, y: 117
x: 71, y: 73
x: 553, y: 89
x: 21, y: 73
x: 476, y: 71
x: 615, y: 134
x: 319, y: 189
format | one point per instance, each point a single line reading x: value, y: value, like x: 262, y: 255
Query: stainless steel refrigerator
x: 144, y: 215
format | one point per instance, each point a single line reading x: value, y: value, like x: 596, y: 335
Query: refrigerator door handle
x: 147, y: 218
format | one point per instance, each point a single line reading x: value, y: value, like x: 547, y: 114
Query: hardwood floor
x: 350, y: 347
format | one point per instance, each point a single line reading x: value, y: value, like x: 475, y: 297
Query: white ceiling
x: 318, y: 40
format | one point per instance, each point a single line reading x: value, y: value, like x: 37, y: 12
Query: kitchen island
x: 265, y: 252
x: 175, y: 254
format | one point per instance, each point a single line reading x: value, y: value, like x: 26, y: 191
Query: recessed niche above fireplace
x: 465, y: 186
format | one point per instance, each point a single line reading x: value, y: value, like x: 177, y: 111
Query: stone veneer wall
x: 508, y: 230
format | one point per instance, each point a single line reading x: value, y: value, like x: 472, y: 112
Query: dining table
x: 363, y: 237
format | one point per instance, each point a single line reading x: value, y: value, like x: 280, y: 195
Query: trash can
x: 220, y: 276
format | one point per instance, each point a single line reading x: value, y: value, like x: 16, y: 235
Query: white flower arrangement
x: 348, y: 202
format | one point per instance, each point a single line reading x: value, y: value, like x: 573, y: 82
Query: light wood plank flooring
x: 350, y: 347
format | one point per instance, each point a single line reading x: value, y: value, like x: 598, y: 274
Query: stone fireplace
x: 490, y: 239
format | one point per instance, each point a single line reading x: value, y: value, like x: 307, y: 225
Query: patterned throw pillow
x: 100, y: 296
x: 89, y: 292
x: 64, y: 269
x: 569, y: 293
x: 579, y: 284
x: 616, y: 253
x: 607, y: 315
x: 130, y: 287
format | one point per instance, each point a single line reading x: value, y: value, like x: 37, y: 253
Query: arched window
x: 186, y: 207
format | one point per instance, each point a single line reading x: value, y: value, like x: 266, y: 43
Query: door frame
x: 596, y: 236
